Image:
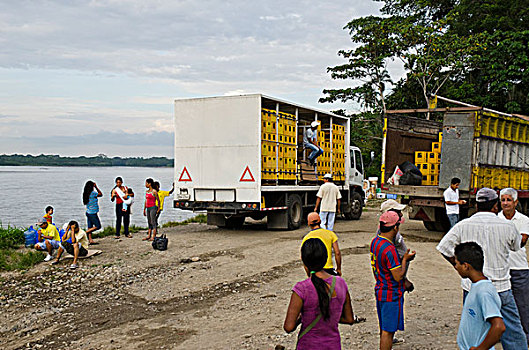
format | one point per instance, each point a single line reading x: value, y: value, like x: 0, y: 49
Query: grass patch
x: 12, y: 258
x: 111, y: 231
x: 19, y: 259
x: 200, y: 218
x: 11, y: 237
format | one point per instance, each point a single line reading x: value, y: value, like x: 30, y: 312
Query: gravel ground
x: 233, y: 296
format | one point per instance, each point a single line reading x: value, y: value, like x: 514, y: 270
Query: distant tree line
x: 100, y: 160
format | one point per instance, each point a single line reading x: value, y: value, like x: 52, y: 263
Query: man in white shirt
x: 518, y: 260
x: 329, y: 197
x: 452, y: 202
x: 498, y: 238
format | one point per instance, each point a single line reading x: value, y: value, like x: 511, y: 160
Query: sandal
x: 146, y: 239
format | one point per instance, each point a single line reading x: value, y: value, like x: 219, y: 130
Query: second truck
x: 482, y: 147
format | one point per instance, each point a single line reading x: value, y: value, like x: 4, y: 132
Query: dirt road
x: 235, y: 296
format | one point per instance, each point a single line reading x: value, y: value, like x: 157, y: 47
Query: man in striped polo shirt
x: 389, y: 272
x: 498, y: 238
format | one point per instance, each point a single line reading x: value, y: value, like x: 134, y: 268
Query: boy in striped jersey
x: 389, y: 272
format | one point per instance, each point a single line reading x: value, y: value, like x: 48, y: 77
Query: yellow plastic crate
x: 525, y: 180
x: 421, y: 157
x: 441, y: 136
x: 436, y: 147
x: 434, y: 157
x: 424, y: 168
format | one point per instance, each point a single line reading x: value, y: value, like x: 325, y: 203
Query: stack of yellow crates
x: 338, y: 152
x: 278, y: 145
x: 333, y: 159
x: 429, y: 163
x: 507, y: 129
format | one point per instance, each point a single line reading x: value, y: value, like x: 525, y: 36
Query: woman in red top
x: 151, y: 208
x: 118, y: 192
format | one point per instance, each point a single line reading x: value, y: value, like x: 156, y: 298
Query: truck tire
x: 354, y: 210
x: 294, y: 211
x: 235, y: 222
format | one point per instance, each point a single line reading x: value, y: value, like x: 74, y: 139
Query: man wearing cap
x: 400, y: 246
x: 518, y: 260
x: 310, y: 140
x: 389, y: 271
x: 498, y: 238
x: 48, y: 237
x: 329, y: 197
x: 330, y: 240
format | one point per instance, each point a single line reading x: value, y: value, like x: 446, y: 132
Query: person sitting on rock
x: 74, y: 242
x: 48, y: 238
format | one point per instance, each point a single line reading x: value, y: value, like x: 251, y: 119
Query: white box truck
x: 243, y: 156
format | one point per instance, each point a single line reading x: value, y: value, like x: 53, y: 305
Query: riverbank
x: 232, y: 295
x: 14, y: 256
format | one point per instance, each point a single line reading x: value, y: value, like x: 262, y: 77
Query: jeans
x: 520, y: 288
x: 126, y: 219
x: 316, y: 151
x: 453, y: 218
x: 151, y: 217
x: 514, y: 337
x: 327, y: 219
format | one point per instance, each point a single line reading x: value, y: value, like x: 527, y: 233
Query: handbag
x: 317, y: 319
x: 160, y: 243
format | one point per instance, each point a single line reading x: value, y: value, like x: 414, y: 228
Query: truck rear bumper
x: 231, y: 207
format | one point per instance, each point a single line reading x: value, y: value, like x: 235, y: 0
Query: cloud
x: 77, y: 68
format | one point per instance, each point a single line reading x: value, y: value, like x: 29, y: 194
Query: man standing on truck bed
x: 329, y: 197
x: 310, y: 141
x: 518, y: 260
x: 452, y: 202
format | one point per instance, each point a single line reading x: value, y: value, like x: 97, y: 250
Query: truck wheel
x: 294, y: 211
x: 235, y: 222
x: 354, y: 211
x: 430, y: 225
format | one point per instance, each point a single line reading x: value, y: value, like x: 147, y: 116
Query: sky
x: 100, y: 76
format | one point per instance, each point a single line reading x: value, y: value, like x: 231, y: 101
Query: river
x: 27, y: 191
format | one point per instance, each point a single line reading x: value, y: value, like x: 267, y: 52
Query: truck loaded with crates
x: 243, y: 156
x: 482, y: 147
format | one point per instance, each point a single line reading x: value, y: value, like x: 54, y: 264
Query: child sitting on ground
x: 481, y: 322
x: 128, y: 199
x: 319, y: 303
x: 48, y: 215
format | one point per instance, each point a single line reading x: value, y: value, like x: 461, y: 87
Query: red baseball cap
x: 313, y: 218
x: 390, y: 218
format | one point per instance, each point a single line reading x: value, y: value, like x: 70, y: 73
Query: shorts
x: 92, y: 220
x: 391, y: 315
x: 69, y: 248
x: 54, y: 244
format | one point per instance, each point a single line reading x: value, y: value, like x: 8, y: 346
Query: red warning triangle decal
x: 185, y: 177
x: 247, y: 175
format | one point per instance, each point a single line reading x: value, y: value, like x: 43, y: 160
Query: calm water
x: 26, y: 191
